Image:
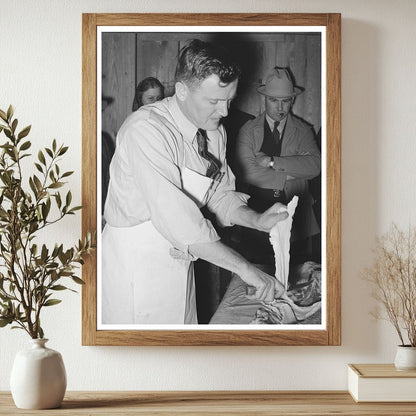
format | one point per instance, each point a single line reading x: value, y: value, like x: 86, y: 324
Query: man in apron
x: 169, y: 162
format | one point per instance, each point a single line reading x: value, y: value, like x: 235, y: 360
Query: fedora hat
x: 279, y: 84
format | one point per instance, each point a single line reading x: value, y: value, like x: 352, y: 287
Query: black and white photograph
x: 206, y: 139
x: 215, y: 165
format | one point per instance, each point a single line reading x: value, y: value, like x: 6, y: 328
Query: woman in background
x: 148, y: 91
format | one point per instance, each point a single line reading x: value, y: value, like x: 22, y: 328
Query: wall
x: 128, y: 58
x: 40, y: 73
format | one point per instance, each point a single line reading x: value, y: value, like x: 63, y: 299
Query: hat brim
x: 262, y: 90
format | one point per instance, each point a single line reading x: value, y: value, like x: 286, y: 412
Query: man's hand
x: 269, y: 218
x: 262, y: 286
x: 263, y: 160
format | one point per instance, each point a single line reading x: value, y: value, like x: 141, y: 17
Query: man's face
x: 278, y: 108
x: 205, y: 104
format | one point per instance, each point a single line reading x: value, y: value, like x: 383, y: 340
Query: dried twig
x: 393, y: 276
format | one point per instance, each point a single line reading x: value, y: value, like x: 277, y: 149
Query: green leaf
x: 37, y: 182
x: 63, y: 150
x: 40, y: 332
x: 25, y: 155
x: 44, y: 253
x: 34, y: 249
x: 68, y: 199
x: 8, y: 133
x: 67, y: 174
x: 10, y: 112
x: 58, y: 199
x: 39, y: 167
x: 62, y: 257
x: 77, y: 208
x: 41, y: 157
x: 3, y: 115
x: 59, y: 287
x: 24, y: 132
x: 45, y: 211
x: 54, y: 145
x: 14, y: 125
x: 4, y: 297
x: 5, y: 321
x: 25, y: 145
x: 49, y: 152
x: 33, y: 187
x: 76, y: 279
x: 55, y: 251
x: 51, y: 302
x: 56, y: 185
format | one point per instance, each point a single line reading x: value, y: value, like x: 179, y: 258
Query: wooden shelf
x: 178, y: 403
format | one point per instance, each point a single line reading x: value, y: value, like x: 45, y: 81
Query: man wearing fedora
x: 276, y: 155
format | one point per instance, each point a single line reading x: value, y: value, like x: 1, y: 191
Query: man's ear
x: 181, y: 90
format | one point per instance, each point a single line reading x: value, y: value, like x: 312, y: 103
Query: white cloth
x: 280, y: 240
x: 284, y: 310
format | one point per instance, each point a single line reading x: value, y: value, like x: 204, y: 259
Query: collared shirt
x: 153, y: 145
x: 280, y: 127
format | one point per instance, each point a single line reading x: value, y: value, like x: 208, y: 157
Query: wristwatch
x: 271, y: 163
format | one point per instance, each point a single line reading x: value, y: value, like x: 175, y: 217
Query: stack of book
x: 381, y: 383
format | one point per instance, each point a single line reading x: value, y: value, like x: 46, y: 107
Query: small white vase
x: 405, y: 358
x: 38, y: 377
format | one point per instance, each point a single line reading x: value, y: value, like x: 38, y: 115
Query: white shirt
x: 153, y: 144
x: 280, y: 127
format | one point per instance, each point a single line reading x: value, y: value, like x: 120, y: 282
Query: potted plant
x: 393, y: 277
x: 31, y: 273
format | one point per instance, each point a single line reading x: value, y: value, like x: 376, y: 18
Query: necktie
x: 277, y: 140
x: 214, y: 164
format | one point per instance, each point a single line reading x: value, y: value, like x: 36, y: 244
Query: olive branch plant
x: 30, y: 273
x: 393, y: 277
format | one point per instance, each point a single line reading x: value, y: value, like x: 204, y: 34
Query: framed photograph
x: 270, y: 132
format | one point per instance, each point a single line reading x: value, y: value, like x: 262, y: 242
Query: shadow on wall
x: 360, y: 180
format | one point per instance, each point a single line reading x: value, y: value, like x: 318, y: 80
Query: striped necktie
x: 214, y: 164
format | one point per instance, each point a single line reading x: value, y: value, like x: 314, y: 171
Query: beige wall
x: 40, y: 73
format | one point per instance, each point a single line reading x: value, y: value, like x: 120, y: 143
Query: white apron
x: 141, y: 282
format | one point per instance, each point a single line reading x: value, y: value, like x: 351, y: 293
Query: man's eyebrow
x: 222, y: 99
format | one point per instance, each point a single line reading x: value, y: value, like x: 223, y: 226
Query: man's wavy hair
x: 198, y: 60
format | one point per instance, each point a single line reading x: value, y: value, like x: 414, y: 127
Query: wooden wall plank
x: 118, y: 78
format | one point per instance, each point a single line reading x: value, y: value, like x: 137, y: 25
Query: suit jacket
x: 300, y: 160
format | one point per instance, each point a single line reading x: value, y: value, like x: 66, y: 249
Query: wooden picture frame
x: 330, y: 334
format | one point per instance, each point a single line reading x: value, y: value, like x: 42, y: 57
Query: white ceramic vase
x: 38, y: 377
x: 405, y: 358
